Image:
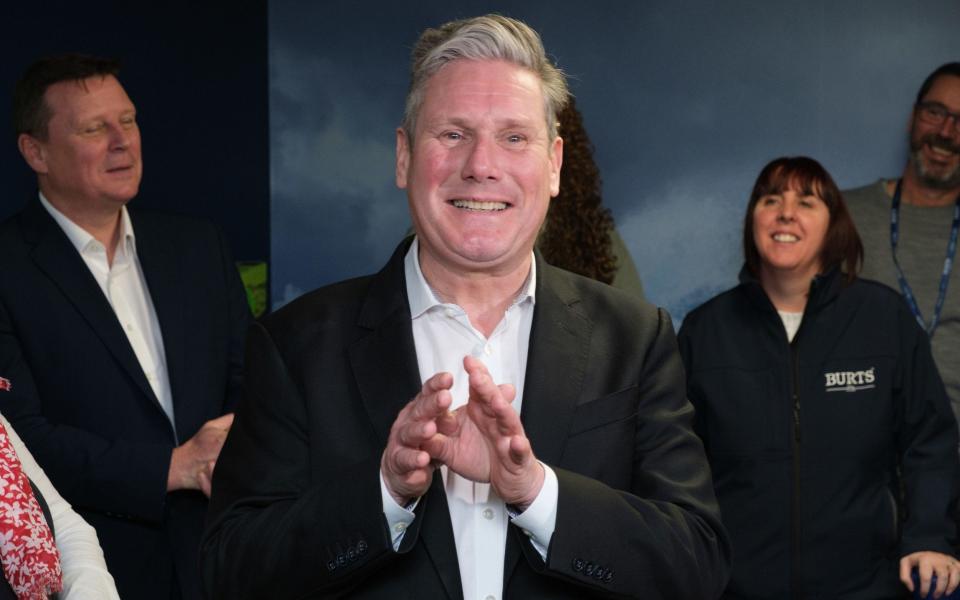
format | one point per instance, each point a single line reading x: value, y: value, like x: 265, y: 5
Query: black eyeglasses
x: 936, y: 113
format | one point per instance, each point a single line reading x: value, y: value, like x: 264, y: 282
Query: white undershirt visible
x: 125, y: 288
x: 443, y: 335
x: 791, y: 322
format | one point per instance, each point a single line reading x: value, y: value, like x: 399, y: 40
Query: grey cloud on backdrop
x: 684, y: 101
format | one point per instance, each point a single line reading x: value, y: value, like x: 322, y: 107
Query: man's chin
x: 933, y: 178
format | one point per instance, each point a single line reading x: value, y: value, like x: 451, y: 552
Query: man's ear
x: 403, y: 158
x: 32, y: 151
x: 556, y: 163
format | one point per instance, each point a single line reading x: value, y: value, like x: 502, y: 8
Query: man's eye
x: 453, y: 136
x: 93, y: 128
x: 514, y: 138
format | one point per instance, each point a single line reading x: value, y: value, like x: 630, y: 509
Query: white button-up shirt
x: 125, y: 289
x: 443, y: 335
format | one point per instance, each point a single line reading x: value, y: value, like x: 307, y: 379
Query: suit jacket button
x: 331, y: 565
x: 361, y: 548
x: 599, y: 573
x: 341, y: 560
x: 608, y: 577
x: 351, y: 554
x: 577, y: 564
x: 590, y: 568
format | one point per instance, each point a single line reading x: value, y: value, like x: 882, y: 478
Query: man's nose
x: 481, y: 162
x: 119, y: 137
x: 950, y: 128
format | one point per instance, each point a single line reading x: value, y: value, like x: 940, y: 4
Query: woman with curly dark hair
x: 578, y: 234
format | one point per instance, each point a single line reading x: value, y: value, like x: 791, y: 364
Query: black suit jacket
x: 81, y: 402
x: 296, y: 509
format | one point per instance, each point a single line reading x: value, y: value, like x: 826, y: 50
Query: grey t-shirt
x: 921, y: 248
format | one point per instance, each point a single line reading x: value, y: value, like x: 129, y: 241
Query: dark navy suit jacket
x: 81, y: 402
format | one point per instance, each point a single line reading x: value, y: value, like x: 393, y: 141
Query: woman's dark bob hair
x: 841, y: 245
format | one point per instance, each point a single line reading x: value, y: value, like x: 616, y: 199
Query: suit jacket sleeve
x: 268, y: 535
x: 239, y: 318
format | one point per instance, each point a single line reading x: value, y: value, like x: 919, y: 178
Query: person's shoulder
x: 175, y: 225
x: 866, y: 196
x: 874, y: 295
x: 336, y: 305
x: 872, y: 290
x: 717, y: 307
x: 10, y: 229
x: 14, y: 241
x: 599, y: 299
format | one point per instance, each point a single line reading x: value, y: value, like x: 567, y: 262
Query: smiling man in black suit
x: 121, y: 332
x: 547, y: 451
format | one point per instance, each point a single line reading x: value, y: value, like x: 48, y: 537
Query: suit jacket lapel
x: 161, y: 271
x: 55, y: 255
x: 384, y: 363
x: 556, y: 364
x: 386, y: 372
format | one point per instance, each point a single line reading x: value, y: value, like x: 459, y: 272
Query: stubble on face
x: 935, y: 149
x: 929, y: 175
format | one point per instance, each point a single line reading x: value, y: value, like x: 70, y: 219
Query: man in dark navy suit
x: 470, y: 422
x: 121, y: 332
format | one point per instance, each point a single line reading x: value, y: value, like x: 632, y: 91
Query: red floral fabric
x: 28, y: 553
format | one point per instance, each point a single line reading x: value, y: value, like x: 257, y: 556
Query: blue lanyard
x: 947, y: 262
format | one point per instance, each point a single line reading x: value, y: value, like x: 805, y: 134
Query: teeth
x: 477, y: 205
x: 785, y: 237
x: 941, y: 151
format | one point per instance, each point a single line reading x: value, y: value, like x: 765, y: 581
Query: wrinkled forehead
x: 78, y: 98
x: 512, y: 87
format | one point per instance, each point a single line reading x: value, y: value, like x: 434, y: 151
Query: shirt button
x: 527, y: 533
x: 400, y: 527
x: 490, y: 597
x: 487, y: 513
x: 451, y: 313
x: 487, y: 350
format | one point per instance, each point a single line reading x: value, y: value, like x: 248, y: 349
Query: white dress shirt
x: 443, y: 335
x: 126, y: 290
x: 85, y: 575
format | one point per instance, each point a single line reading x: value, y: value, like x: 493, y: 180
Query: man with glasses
x: 909, y: 226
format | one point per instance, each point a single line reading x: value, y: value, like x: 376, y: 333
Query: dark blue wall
x: 197, y: 72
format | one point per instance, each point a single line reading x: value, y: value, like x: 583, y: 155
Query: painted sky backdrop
x: 685, y: 101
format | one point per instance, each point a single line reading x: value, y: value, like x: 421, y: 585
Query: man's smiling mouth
x: 479, y: 205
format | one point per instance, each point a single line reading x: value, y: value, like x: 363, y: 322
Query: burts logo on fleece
x: 850, y: 381
x: 5, y: 384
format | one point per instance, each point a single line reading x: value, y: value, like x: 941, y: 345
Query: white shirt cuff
x: 398, y: 517
x: 540, y: 518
